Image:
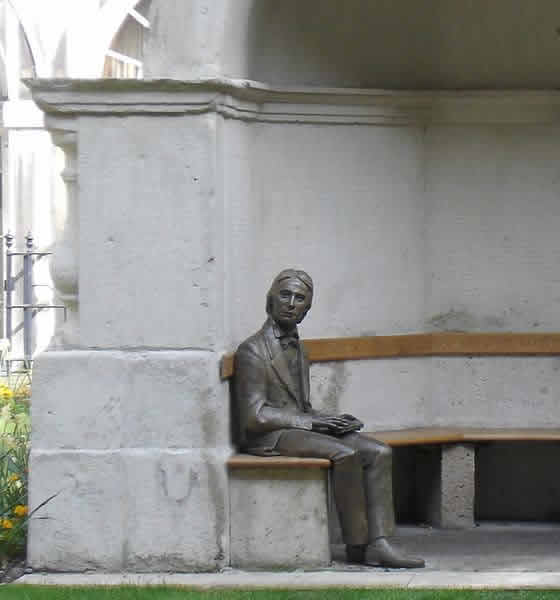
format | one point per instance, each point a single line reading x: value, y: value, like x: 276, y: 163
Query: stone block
x: 77, y: 400
x: 175, y: 400
x: 176, y: 517
x: 83, y: 526
x: 149, y: 262
x: 279, y: 518
x: 113, y: 399
x: 457, y: 486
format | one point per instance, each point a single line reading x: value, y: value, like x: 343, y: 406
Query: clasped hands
x: 335, y: 424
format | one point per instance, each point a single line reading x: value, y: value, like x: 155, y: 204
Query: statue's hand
x: 328, y: 424
x: 351, y: 420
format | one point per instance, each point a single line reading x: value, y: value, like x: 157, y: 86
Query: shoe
x: 381, y: 553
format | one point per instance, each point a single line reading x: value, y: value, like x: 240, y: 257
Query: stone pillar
x: 451, y: 494
x: 130, y: 419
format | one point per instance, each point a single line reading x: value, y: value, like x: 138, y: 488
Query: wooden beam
x: 447, y: 435
x: 423, y: 344
x: 248, y: 461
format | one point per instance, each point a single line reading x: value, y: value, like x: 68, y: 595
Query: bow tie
x: 289, y: 340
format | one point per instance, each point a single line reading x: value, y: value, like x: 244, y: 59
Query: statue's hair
x: 297, y: 274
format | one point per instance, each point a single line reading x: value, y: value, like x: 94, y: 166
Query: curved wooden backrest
x: 423, y: 344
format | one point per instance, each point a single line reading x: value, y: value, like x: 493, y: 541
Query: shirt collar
x: 279, y: 333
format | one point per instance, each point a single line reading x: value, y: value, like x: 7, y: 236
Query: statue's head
x: 289, y: 298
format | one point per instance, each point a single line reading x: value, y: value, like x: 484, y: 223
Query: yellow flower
x: 20, y: 510
x: 6, y: 524
x: 14, y: 477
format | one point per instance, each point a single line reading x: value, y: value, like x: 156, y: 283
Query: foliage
x: 14, y: 455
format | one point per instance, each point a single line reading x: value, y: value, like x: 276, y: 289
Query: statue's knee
x: 345, y: 455
x: 381, y: 452
x: 385, y: 453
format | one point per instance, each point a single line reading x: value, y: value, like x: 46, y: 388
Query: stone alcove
x: 414, y: 209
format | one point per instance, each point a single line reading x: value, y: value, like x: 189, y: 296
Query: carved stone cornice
x: 253, y: 101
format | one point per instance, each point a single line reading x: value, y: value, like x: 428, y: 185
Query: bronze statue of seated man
x: 276, y: 418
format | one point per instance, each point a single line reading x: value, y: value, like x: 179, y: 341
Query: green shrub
x: 14, y: 458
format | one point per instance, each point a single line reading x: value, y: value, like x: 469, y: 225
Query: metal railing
x: 30, y: 309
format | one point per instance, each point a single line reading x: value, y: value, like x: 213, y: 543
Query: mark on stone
x: 217, y: 502
x: 368, y: 333
x: 462, y: 320
x: 207, y: 422
x: 174, y: 483
x: 544, y: 389
x: 338, y: 378
x: 452, y: 320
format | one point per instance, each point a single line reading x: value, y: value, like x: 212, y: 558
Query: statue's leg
x: 347, y: 477
x: 376, y: 460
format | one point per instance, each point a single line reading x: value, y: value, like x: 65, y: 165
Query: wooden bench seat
x: 406, y: 437
x: 450, y: 435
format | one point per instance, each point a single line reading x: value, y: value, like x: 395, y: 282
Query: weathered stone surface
x: 279, y: 518
x: 83, y: 526
x: 112, y: 399
x: 457, y: 486
x: 175, y: 400
x: 177, y: 517
x: 140, y: 510
x: 78, y: 399
x: 148, y: 269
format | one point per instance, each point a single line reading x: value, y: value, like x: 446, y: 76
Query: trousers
x: 361, y: 477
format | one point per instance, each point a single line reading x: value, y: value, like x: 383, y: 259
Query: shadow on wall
x: 405, y: 44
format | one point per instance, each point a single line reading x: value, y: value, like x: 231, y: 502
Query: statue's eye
x: 300, y: 298
x: 284, y: 294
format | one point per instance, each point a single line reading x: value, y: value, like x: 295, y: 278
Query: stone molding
x: 65, y: 260
x: 254, y: 101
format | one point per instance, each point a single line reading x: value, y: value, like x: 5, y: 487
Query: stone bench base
x: 279, y: 516
x: 280, y: 506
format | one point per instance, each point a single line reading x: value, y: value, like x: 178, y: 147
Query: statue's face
x: 289, y: 302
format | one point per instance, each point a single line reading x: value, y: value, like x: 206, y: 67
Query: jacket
x: 267, y: 400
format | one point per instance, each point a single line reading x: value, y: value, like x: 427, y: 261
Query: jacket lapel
x: 304, y: 370
x: 278, y: 361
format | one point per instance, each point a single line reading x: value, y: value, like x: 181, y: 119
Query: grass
x: 173, y: 593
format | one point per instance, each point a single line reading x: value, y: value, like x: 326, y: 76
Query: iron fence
x: 30, y: 309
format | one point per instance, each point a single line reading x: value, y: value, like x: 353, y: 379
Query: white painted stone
x: 492, y: 217
x: 176, y: 510
x: 144, y: 510
x: 385, y: 394
x: 83, y: 526
x: 108, y: 399
x: 495, y: 391
x: 279, y: 518
x: 175, y: 400
x: 149, y: 257
x: 77, y: 402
